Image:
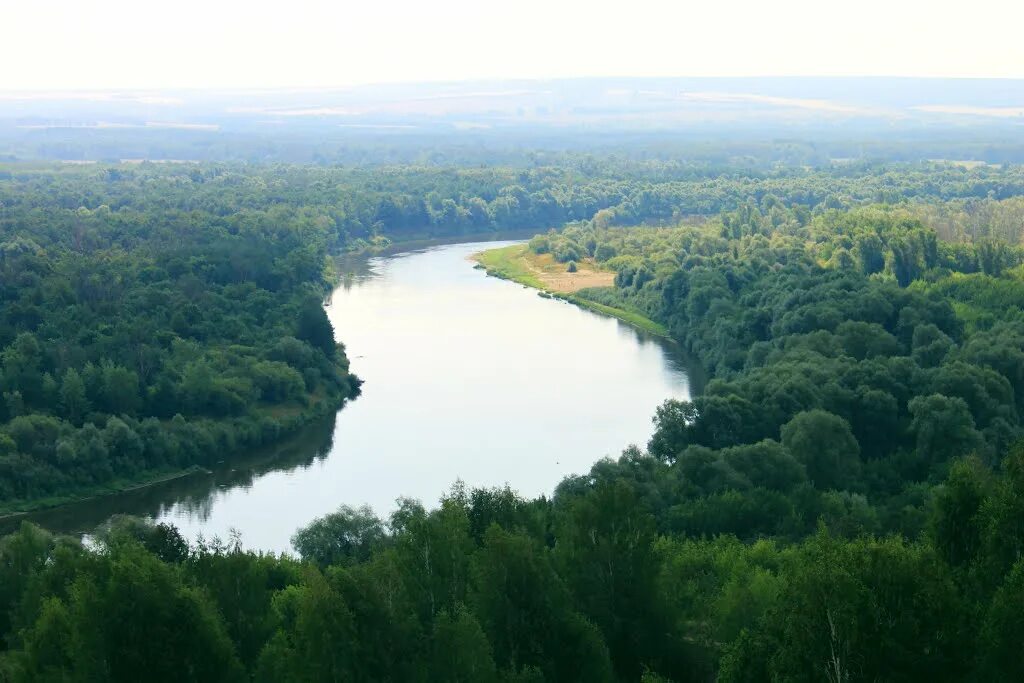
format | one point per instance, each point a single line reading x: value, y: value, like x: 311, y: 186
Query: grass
x: 518, y: 264
x: 630, y: 317
x: 542, y: 271
x: 508, y: 263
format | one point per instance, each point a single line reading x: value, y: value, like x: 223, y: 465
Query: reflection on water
x: 465, y: 377
x: 194, y: 495
x: 354, y: 269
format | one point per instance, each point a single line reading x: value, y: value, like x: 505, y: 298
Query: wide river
x: 466, y: 377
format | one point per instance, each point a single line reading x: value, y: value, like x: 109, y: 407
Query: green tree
x: 120, y: 390
x: 605, y: 553
x: 526, y: 613
x: 863, y: 610
x: 317, y: 638
x: 998, y: 643
x: 73, y: 400
x: 956, y: 525
x: 672, y: 420
x: 943, y: 427
x: 314, y: 328
x: 133, y: 621
x: 459, y: 651
x: 825, y: 445
x: 345, y: 537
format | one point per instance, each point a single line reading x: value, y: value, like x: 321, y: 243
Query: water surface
x: 466, y: 377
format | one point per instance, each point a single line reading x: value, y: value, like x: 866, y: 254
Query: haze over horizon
x: 118, y: 44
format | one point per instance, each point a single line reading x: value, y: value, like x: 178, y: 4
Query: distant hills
x: 85, y: 125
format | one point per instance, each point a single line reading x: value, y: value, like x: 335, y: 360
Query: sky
x: 157, y: 44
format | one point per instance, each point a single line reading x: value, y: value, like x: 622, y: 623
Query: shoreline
x: 501, y: 264
x: 295, y: 423
x: 415, y: 243
x: 290, y: 427
x: 102, y: 492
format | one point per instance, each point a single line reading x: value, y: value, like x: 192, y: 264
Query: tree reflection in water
x: 192, y: 495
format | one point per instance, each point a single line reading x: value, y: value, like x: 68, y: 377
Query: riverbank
x: 518, y: 264
x: 145, y: 480
x: 487, y: 341
x: 281, y: 425
x: 407, y: 243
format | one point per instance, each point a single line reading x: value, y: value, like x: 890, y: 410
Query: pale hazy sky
x: 57, y: 44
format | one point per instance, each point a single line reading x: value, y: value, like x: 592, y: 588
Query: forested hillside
x: 842, y: 502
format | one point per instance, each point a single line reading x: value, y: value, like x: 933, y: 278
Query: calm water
x: 466, y: 377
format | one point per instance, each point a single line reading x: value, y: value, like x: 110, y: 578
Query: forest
x: 139, y: 341
x: 586, y: 586
x: 842, y: 502
x: 359, y: 207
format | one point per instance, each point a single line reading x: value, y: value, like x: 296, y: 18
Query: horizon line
x: 500, y: 79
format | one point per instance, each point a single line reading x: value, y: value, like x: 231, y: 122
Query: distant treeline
x: 356, y: 207
x: 437, y: 142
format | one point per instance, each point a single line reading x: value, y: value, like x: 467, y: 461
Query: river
x: 466, y: 377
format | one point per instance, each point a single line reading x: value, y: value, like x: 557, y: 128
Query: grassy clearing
x: 508, y: 264
x: 542, y: 271
x: 519, y: 264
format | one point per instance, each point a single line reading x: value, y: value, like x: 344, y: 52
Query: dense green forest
x: 149, y: 338
x: 358, y: 206
x: 842, y: 502
x: 854, y: 350
x: 588, y: 586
